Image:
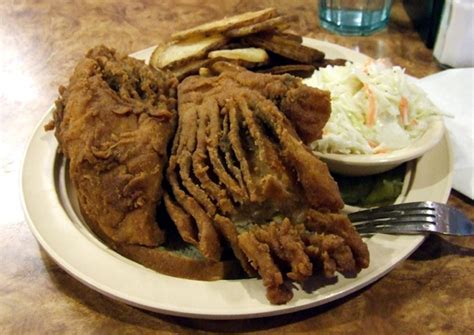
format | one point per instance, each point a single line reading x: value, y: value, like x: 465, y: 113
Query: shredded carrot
x: 372, y: 143
x: 381, y: 150
x: 386, y: 62
x: 403, y: 108
x: 367, y: 64
x: 371, y: 115
x: 413, y: 122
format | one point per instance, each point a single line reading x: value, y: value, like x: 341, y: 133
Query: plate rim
x: 266, y: 310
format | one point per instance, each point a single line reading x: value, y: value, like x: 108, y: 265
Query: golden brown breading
x: 293, y: 245
x: 113, y: 121
x: 261, y: 259
x: 285, y: 242
x: 338, y: 224
x: 307, y: 108
x: 246, y: 132
x: 239, y: 174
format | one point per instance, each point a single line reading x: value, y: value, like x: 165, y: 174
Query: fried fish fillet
x: 240, y: 174
x: 239, y: 178
x: 113, y: 122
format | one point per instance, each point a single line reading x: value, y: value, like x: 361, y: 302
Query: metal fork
x: 413, y: 218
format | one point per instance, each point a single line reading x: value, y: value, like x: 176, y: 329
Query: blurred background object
x: 457, y: 103
x: 354, y: 17
x: 425, y: 15
x: 455, y: 38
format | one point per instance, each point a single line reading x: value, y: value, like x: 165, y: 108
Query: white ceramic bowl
x: 367, y: 164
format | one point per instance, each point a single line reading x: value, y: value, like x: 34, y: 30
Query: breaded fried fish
x: 240, y: 174
x: 113, y: 122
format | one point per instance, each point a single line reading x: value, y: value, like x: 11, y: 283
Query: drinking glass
x: 354, y: 17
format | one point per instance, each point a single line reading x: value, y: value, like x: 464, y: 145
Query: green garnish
x: 376, y: 190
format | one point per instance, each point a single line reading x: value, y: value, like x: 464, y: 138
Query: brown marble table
x: 40, y: 41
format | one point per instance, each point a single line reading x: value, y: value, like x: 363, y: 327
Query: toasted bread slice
x: 290, y: 36
x: 253, y: 55
x: 278, y: 23
x: 297, y: 70
x: 233, y: 44
x: 174, y: 258
x: 190, y: 68
x: 330, y: 62
x: 176, y: 53
x: 227, y: 23
x: 248, y: 58
x: 205, y: 72
x: 184, y: 262
x: 285, y: 47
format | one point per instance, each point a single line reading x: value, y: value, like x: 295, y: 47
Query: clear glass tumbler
x: 354, y: 17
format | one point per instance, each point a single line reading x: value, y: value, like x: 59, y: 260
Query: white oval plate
x: 50, y: 215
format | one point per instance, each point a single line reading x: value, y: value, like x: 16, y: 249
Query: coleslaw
x: 375, y: 108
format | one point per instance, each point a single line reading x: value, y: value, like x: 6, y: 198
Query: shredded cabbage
x: 375, y: 108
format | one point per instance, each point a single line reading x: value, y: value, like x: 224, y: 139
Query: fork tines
x: 413, y: 218
x: 407, y: 213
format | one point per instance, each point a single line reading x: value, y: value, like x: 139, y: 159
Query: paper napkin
x: 452, y: 91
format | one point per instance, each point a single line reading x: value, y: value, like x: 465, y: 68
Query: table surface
x: 40, y: 42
